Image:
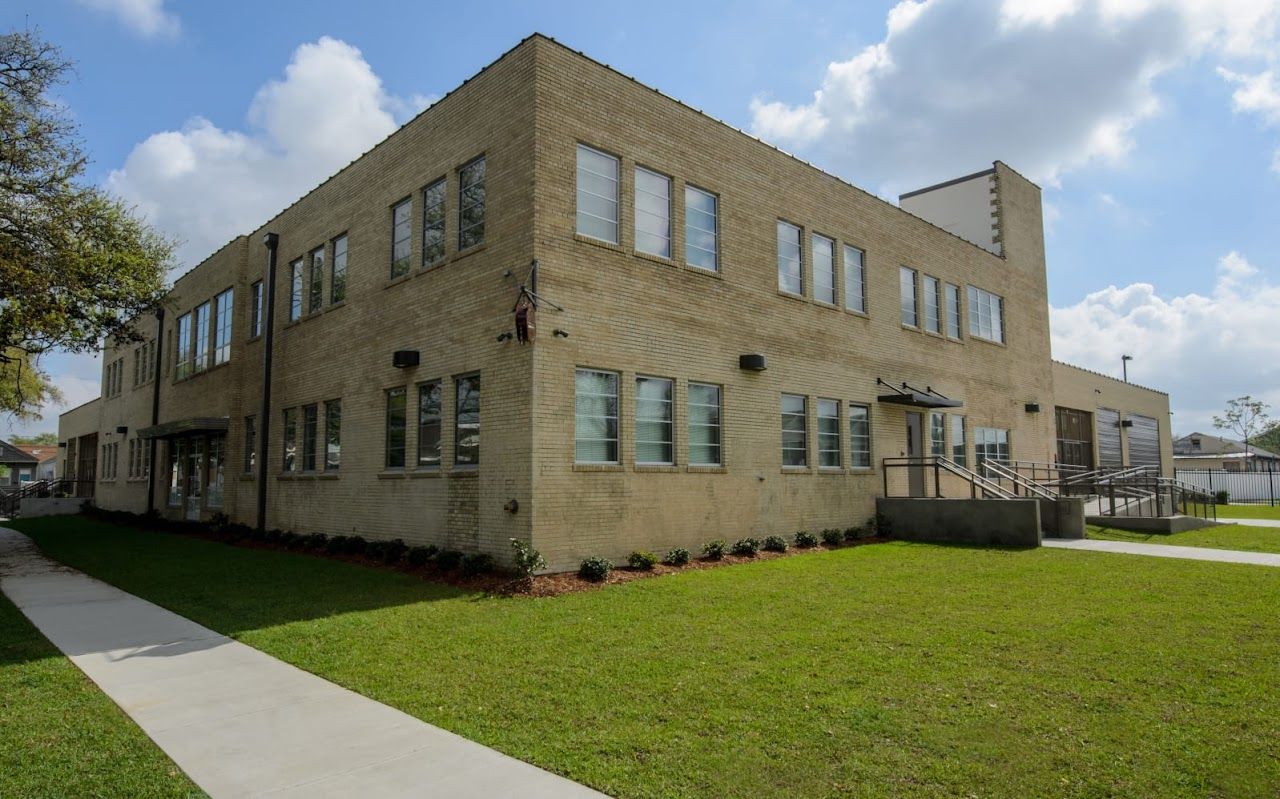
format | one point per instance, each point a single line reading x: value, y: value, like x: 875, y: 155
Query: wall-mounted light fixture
x: 752, y: 362
x: 504, y: 336
x: 1032, y: 407
x: 1127, y: 423
x: 122, y: 430
x: 560, y: 333
x: 403, y: 359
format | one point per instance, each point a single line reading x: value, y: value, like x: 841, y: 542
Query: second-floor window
x: 986, y: 316
x: 952, y: 302
x: 225, y: 303
x: 932, y: 305
x: 855, y: 280
x: 338, y: 271
x: 295, y: 290
x: 907, y: 288
x: 701, y: 229
x: 202, y: 337
x: 401, y: 232
x: 315, y: 281
x: 653, y: 213
x: 183, y: 348
x: 790, y: 265
x: 255, y: 311
x: 824, y: 268
x: 433, y: 223
x: 597, y: 195
x: 471, y: 204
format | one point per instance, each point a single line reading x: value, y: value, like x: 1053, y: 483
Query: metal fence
x: 1252, y: 487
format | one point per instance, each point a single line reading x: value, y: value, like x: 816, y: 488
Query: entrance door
x: 195, y: 477
x: 1075, y: 438
x: 915, y: 451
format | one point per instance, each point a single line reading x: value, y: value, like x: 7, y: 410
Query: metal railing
x: 949, y: 479
x: 1044, y: 473
x: 11, y: 501
x: 1139, y: 494
x: 1022, y: 486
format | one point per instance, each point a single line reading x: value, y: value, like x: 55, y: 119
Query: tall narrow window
x: 704, y: 425
x: 202, y: 337
x: 953, y: 311
x: 986, y: 316
x: 429, y: 424
x: 222, y: 326
x: 395, y: 428
x: 907, y: 288
x: 795, y: 439
x: 471, y: 204
x: 859, y: 436
x: 401, y: 244
x: 338, y: 271
x: 937, y: 434
x: 829, y: 434
x: 295, y: 290
x: 466, y: 422
x: 653, y: 421
x: 790, y: 268
x: 310, y: 421
x: 332, y: 435
x: 315, y: 281
x: 289, y: 432
x: 595, y: 426
x: 855, y: 280
x: 932, y: 305
x: 957, y: 441
x: 597, y: 195
x: 433, y: 223
x: 183, y: 346
x: 250, y: 443
x: 701, y: 229
x: 255, y: 310
x: 824, y: 268
x: 653, y: 213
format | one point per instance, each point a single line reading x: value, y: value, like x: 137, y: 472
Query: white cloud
x: 1046, y: 85
x: 1201, y: 349
x: 206, y: 184
x: 1257, y: 94
x: 148, y: 18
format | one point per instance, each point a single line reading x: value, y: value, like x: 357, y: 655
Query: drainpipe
x: 272, y: 241
x: 155, y: 410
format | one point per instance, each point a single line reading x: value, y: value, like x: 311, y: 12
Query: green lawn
x: 1249, y: 511
x: 886, y: 670
x: 1230, y: 536
x: 61, y: 736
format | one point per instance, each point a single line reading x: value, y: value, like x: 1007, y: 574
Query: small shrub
x: 676, y: 557
x: 883, y: 525
x: 219, y: 520
x: 1222, y: 497
x: 356, y: 545
x: 477, y: 563
x: 714, y: 550
x: 528, y: 561
x: 595, y: 569
x: 805, y: 540
x: 642, y: 560
x: 316, y: 541
x: 775, y: 543
x: 393, y: 550
x: 746, y: 547
x: 272, y: 536
x: 853, y: 533
x: 336, y: 545
x: 832, y: 537
x: 449, y: 559
x: 291, y: 540
x: 420, y: 556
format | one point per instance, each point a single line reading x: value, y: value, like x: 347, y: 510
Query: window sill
x: 832, y: 470
x: 797, y: 470
x: 598, y: 467
x: 333, y: 306
x: 332, y: 474
x: 656, y: 467
x: 245, y: 477
x: 657, y: 259
x: 987, y: 341
x: 468, y: 252
x: 790, y: 296
x: 702, y: 270
x: 286, y: 476
x: 391, y: 475
x: 825, y: 304
x: 420, y: 473
x: 253, y: 339
x: 706, y: 469
x: 465, y: 471
x: 398, y: 279
x: 608, y: 245
x: 859, y: 314
x: 433, y: 266
x: 862, y: 470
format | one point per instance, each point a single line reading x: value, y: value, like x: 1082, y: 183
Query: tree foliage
x: 38, y: 439
x: 76, y: 264
x: 1244, y: 416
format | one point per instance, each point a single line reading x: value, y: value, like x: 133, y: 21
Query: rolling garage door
x: 1144, y: 441
x: 1108, y: 438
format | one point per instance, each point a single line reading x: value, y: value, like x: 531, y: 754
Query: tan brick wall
x: 1086, y: 390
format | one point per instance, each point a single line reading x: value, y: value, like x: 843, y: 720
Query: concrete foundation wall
x: 1062, y: 517
x: 1148, y: 524
x: 1006, y: 522
x: 50, y: 506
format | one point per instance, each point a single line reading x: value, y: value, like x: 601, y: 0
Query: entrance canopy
x: 913, y: 397
x: 186, y: 427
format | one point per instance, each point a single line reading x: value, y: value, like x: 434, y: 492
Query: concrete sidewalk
x: 1250, y: 522
x: 239, y: 722
x: 1166, y: 551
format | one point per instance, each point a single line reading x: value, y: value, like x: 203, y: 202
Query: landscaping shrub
x: 336, y: 545
x: 805, y: 540
x: 676, y: 557
x: 714, y: 550
x: 528, y: 561
x: 1222, y: 497
x: 318, y: 541
x: 273, y: 535
x: 746, y: 547
x: 883, y: 525
x: 449, y: 559
x: 421, y: 556
x: 217, y: 521
x: 393, y: 550
x: 853, y: 533
x: 832, y: 537
x: 595, y: 569
x: 356, y: 545
x: 291, y: 540
x: 775, y: 543
x: 645, y: 561
x: 477, y: 563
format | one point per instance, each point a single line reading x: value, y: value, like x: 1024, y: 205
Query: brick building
x: 727, y: 340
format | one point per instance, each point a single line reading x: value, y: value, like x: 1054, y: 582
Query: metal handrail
x: 11, y: 501
x: 1006, y: 473
x: 939, y: 463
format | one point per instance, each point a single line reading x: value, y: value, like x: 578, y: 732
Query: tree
x: 76, y: 264
x: 39, y: 439
x: 1269, y: 439
x: 1246, y: 417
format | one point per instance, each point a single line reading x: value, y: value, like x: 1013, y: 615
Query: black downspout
x: 272, y: 241
x: 155, y: 409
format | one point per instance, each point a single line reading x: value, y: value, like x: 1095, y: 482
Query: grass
x: 1249, y: 511
x: 1230, y: 536
x: 887, y: 670
x: 61, y: 736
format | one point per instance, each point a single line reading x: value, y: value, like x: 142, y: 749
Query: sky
x: 1152, y: 126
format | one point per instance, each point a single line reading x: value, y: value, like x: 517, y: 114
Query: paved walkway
x: 240, y: 722
x: 1250, y: 522
x: 1166, y: 551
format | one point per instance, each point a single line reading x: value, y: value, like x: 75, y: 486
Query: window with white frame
x: 295, y: 290
x: 466, y: 421
x: 430, y: 420
x: 653, y: 213
x: 471, y: 204
x: 937, y: 434
x: 859, y: 436
x: 701, y: 229
x: 338, y: 270
x: 654, y: 444
x: 855, y: 280
x: 990, y: 443
x: 907, y: 290
x: 932, y: 305
x: 289, y: 434
x: 957, y: 441
x: 315, y: 281
x: 952, y: 302
x: 250, y: 444
x: 401, y: 236
x: 704, y: 425
x: 790, y: 259
x: 395, y: 429
x: 824, y: 268
x: 201, y: 337
x: 595, y: 426
x: 433, y: 217
x: 795, y: 434
x: 310, y: 425
x: 829, y: 434
x: 986, y: 315
x: 255, y: 310
x: 183, y: 346
x: 332, y: 435
x: 225, y: 303
x: 597, y: 194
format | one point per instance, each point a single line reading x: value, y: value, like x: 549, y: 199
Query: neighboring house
x: 16, y: 466
x: 728, y: 341
x: 1204, y: 451
x: 46, y: 456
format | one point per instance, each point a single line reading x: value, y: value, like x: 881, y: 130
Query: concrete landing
x: 1152, y: 524
x: 1167, y: 551
x: 241, y: 723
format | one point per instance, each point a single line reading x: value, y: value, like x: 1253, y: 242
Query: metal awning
x: 913, y: 397
x: 186, y: 427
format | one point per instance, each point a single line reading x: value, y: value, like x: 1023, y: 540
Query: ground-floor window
x: 310, y: 421
x: 860, y: 436
x: 595, y: 418
x: 466, y: 439
x: 990, y: 443
x: 795, y: 437
x: 653, y: 421
x: 430, y: 411
x: 937, y: 434
x: 250, y: 443
x: 332, y: 435
x: 214, y: 471
x: 395, y: 433
x: 289, y: 455
x: 957, y: 441
x: 704, y: 425
x: 829, y: 433
x: 175, y: 474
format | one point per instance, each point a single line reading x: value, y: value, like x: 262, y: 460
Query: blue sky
x: 1152, y: 125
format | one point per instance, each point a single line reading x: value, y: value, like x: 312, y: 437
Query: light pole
x: 1124, y: 364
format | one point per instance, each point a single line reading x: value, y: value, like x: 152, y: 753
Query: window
x: 290, y: 435
x: 795, y: 442
x: 144, y: 458
x: 790, y: 270
x: 395, y: 428
x: 174, y: 498
x: 433, y: 223
x: 202, y: 337
x: 255, y: 313
x: 214, y: 476
x: 824, y: 268
x: 222, y: 326
x: 907, y: 287
x: 132, y: 466
x: 932, y: 306
x: 653, y: 421
x: 704, y: 425
x: 859, y: 436
x: 597, y: 195
x: 332, y: 435
x: 701, y: 229
x: 957, y: 441
x: 137, y: 365
x: 953, y: 311
x: 855, y: 280
x: 828, y: 433
x: 250, y: 443
x: 429, y: 424
x: 595, y: 425
x: 990, y: 443
x: 986, y: 316
x: 466, y: 422
x: 937, y: 434
x: 400, y: 233
x: 295, y: 290
x: 315, y: 281
x: 471, y: 204
x: 338, y: 271
x: 184, y: 346
x: 310, y: 419
x: 653, y: 213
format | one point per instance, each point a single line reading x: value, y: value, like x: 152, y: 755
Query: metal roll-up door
x: 1108, y: 438
x: 1144, y: 441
